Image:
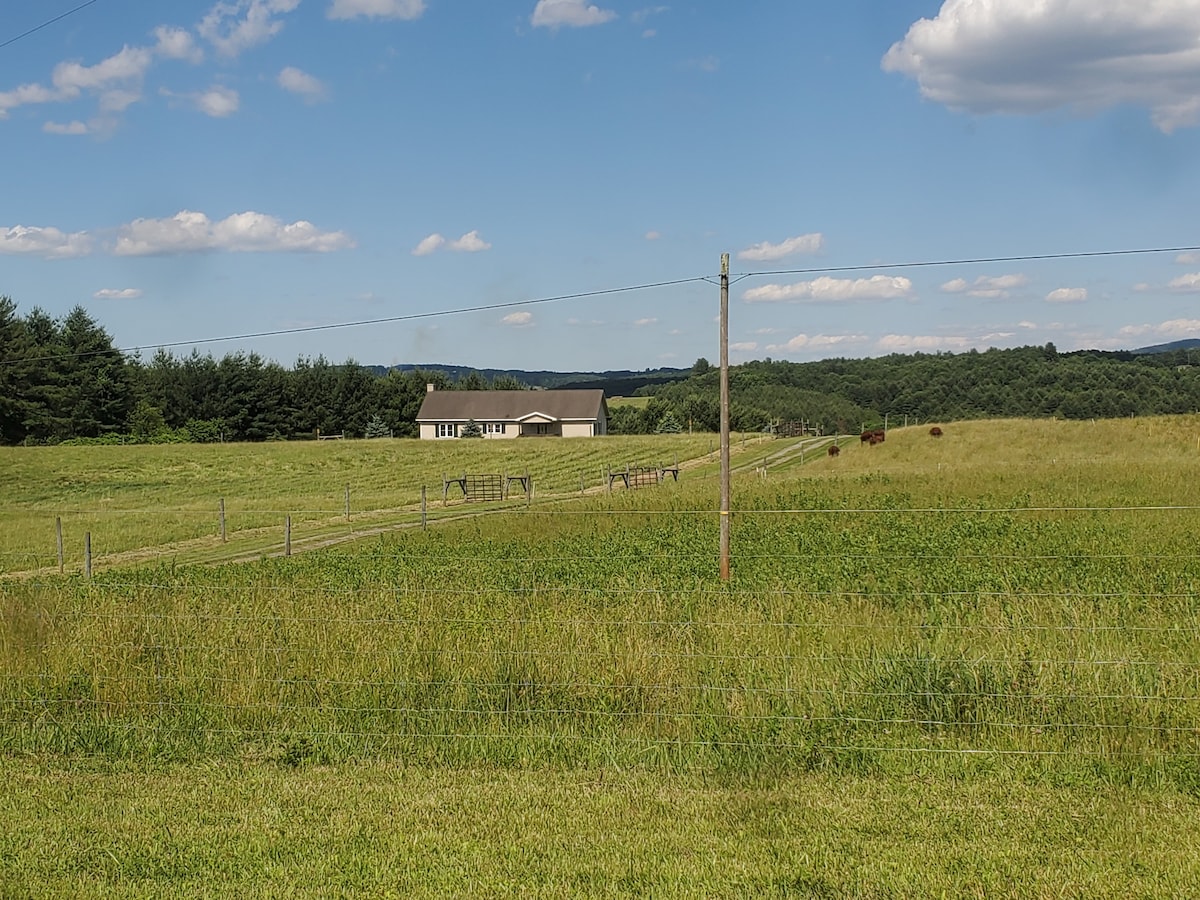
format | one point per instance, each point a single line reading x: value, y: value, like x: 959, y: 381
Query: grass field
x: 965, y: 667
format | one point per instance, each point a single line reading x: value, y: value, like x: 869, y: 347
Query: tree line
x: 64, y: 380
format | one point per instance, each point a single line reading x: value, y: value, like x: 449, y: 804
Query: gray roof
x: 509, y: 406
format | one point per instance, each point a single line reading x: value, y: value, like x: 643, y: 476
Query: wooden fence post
x: 223, y: 537
x: 87, y: 554
x: 424, y: 519
x: 58, y: 536
x: 347, y: 503
x: 287, y: 536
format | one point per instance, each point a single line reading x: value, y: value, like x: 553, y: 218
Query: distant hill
x: 1186, y: 344
x: 615, y: 382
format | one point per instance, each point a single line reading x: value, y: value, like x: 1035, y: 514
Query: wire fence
x: 1081, y: 654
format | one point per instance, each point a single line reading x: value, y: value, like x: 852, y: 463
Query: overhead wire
x: 47, y: 23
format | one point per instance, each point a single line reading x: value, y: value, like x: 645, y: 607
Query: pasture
x: 962, y: 666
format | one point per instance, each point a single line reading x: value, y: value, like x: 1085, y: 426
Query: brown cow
x: 834, y: 449
x: 880, y: 435
x: 935, y: 431
x: 866, y: 435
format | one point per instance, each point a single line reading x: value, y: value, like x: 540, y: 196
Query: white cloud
x: 428, y: 245
x: 998, y: 336
x: 300, y: 82
x: 26, y: 94
x: 574, y: 13
x: 833, y: 290
x: 1022, y: 56
x: 641, y: 323
x: 127, y: 66
x: 807, y: 244
x: 653, y: 235
x: 908, y: 343
x: 176, y: 43
x: 115, y: 294
x: 1172, y: 328
x: 218, y: 101
x: 1186, y: 284
x: 518, y: 319
x: 75, y: 127
x: 1067, y: 295
x: 744, y: 346
x: 986, y: 286
x: 1188, y: 259
x: 470, y: 242
x: 376, y: 9
x: 1143, y: 288
x: 248, y: 232
x: 49, y: 243
x: 235, y: 26
x: 1026, y: 324
x: 817, y: 342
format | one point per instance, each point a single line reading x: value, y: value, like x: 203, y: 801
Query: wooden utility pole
x: 724, y: 417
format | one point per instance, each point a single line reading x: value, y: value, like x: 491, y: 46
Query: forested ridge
x: 64, y: 380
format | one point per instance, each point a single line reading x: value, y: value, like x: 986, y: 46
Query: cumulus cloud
x: 235, y: 26
x: 1067, y: 295
x: 48, y: 243
x: 518, y: 319
x: 909, y: 343
x: 573, y: 13
x: 247, y: 232
x: 429, y: 245
x: 1188, y: 259
x: 641, y: 323
x: 116, y: 80
x: 1018, y: 56
x: 807, y: 244
x: 470, y: 242
x: 376, y: 9
x: 817, y: 342
x: 115, y: 294
x: 1185, y: 284
x: 1172, y: 328
x: 218, y: 101
x: 832, y: 290
x: 176, y: 43
x: 986, y: 286
x: 300, y: 82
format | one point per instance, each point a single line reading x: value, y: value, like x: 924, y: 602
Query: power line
x: 408, y: 317
x: 609, y: 291
x: 47, y: 23
x: 1092, y: 254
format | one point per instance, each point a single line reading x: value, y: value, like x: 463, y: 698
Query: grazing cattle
x: 880, y: 435
x: 866, y: 435
x: 834, y: 449
x: 935, y: 431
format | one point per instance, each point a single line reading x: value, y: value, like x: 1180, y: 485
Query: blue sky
x: 193, y: 170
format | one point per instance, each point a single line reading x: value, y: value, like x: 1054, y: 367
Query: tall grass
x: 899, y: 607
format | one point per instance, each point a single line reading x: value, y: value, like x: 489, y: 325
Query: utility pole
x: 724, y: 417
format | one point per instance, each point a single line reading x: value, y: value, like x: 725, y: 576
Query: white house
x: 510, y: 414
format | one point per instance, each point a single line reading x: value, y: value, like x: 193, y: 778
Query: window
x: 447, y: 430
x: 493, y: 428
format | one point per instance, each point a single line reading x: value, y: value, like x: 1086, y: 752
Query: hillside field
x: 962, y: 666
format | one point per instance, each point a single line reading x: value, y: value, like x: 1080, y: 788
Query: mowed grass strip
x: 160, y: 499
x: 387, y: 831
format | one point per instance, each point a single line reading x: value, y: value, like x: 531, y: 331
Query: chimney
x: 429, y: 388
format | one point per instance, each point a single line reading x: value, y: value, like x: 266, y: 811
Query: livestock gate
x: 486, y: 488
